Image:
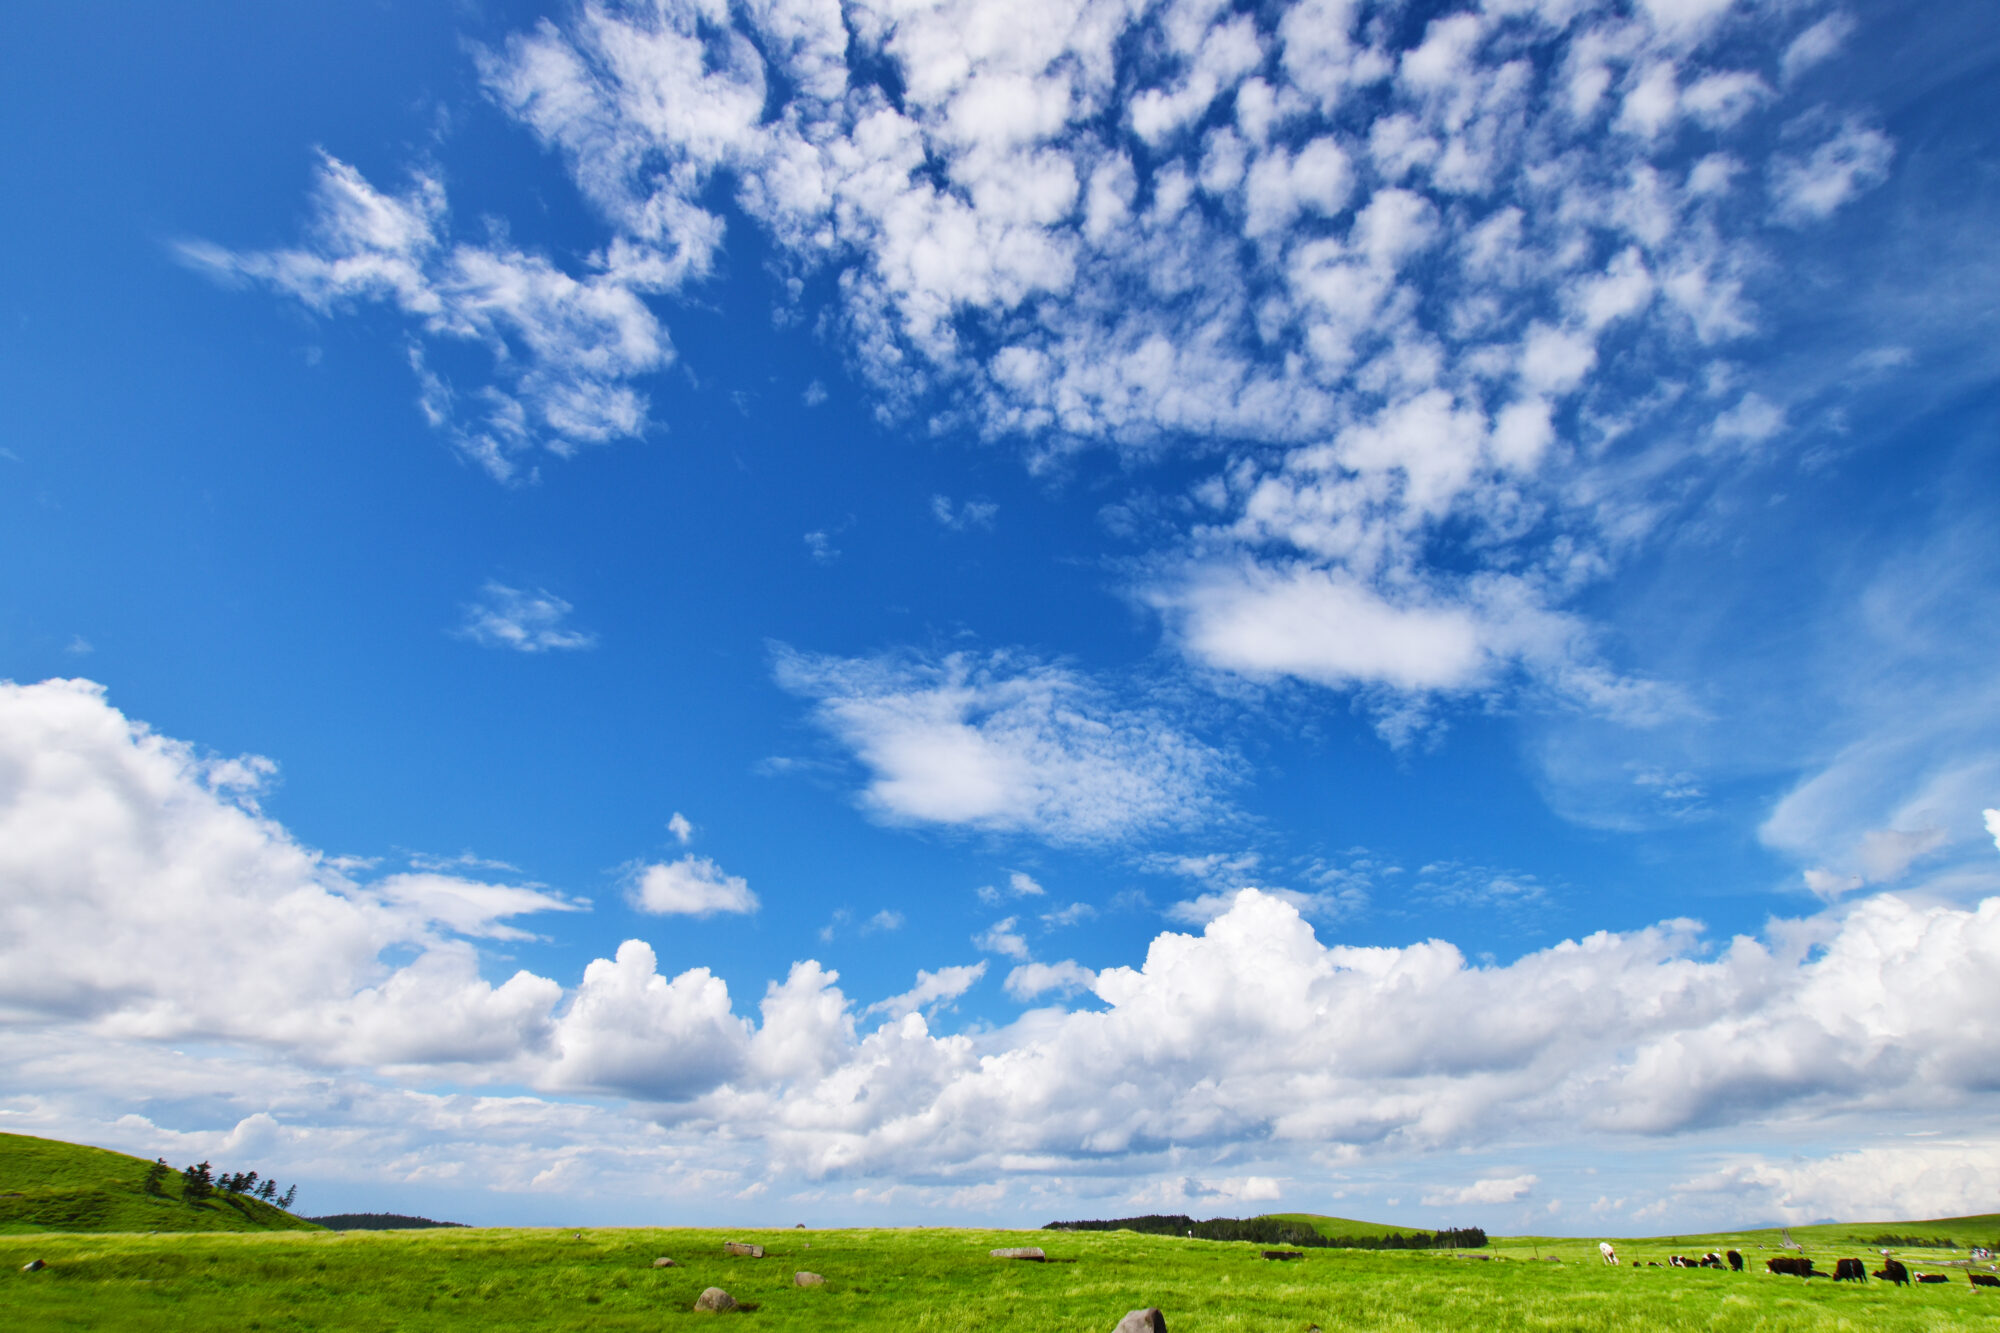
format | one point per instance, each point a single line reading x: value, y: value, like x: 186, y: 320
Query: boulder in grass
x: 663, y: 1262
x: 715, y: 1300
x: 741, y: 1250
x: 1148, y: 1320
x: 808, y: 1280
x: 1033, y: 1253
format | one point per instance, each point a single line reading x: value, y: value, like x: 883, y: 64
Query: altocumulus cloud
x: 1407, y: 292
x: 118, y: 851
x: 1005, y: 742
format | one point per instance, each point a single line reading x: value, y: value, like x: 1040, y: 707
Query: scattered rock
x: 738, y: 1248
x: 1148, y: 1320
x: 33, y: 1266
x: 808, y: 1280
x: 1284, y: 1254
x: 800, y: 1227
x: 1032, y: 1252
x: 715, y: 1300
x: 663, y: 1262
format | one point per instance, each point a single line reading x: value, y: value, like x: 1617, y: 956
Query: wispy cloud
x: 525, y: 621
x: 1007, y: 743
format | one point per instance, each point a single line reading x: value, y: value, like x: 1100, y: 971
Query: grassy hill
x: 1340, y: 1226
x: 49, y: 1185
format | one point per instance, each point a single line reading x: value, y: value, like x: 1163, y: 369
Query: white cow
x: 1610, y: 1255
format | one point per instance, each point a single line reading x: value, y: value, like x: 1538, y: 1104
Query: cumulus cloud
x: 527, y: 622
x: 1031, y: 980
x: 691, y: 886
x: 1006, y: 743
x: 117, y: 855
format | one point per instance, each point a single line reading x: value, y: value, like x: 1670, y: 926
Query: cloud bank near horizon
x: 1251, y: 1044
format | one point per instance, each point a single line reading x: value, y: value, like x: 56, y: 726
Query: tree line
x: 200, y: 1181
x: 1272, y: 1231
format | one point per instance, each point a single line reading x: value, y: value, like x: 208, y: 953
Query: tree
x: 286, y: 1202
x: 197, y: 1182
x: 156, y: 1175
x: 268, y: 1190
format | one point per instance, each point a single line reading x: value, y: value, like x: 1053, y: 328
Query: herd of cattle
x: 1797, y: 1265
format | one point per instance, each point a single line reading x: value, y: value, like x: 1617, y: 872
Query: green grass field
x: 49, y: 1185
x: 83, y: 1212
x: 495, y: 1279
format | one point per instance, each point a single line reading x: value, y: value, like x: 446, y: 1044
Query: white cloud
x: 527, y: 622
x: 1497, y: 1190
x: 968, y: 515
x: 116, y: 856
x: 1002, y: 938
x: 932, y: 989
x: 1005, y: 743
x: 1944, y: 1177
x: 569, y: 346
x: 691, y: 886
x: 1817, y: 43
x: 1031, y: 980
x: 682, y: 830
x: 1809, y: 189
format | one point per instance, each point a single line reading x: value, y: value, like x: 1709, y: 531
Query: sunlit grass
x: 917, y: 1279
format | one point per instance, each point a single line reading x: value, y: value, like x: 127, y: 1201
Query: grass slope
x: 49, y: 1185
x: 1341, y: 1226
x: 940, y: 1281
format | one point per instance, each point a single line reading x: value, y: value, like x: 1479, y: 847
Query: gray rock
x: 663, y: 1262
x: 715, y: 1300
x: 1032, y: 1252
x: 741, y: 1250
x: 1148, y: 1320
x: 808, y: 1280
x: 33, y: 1266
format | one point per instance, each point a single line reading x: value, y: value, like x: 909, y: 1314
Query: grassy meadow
x: 924, y: 1279
x: 118, y: 1258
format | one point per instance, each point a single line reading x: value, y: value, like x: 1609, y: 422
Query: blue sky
x: 1378, y: 609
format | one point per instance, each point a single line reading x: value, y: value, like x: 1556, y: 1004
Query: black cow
x: 1933, y: 1277
x: 1983, y: 1279
x: 1849, y: 1270
x: 1892, y: 1270
x: 1794, y: 1265
x: 1735, y: 1262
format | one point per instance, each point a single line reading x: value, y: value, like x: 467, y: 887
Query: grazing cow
x: 1933, y: 1277
x: 1610, y: 1255
x: 1983, y: 1279
x: 1793, y: 1265
x: 1735, y: 1261
x: 1849, y: 1270
x: 1892, y: 1270
x: 1711, y: 1260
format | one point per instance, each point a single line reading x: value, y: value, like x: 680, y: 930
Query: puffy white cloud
x: 1947, y: 1176
x: 527, y: 622
x: 1006, y: 743
x: 122, y: 855
x: 1002, y: 938
x: 117, y: 855
x: 690, y: 886
x: 1030, y: 980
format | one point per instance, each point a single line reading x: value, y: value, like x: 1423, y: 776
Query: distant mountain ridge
x: 50, y: 1185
